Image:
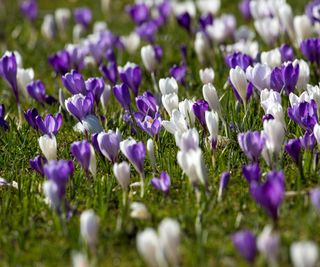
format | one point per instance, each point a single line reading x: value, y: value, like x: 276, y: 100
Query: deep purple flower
x: 150, y: 125
x: 109, y: 144
x: 199, y: 109
x: 184, y: 20
x: 147, y: 31
x: 81, y: 150
x: 37, y: 91
x: 164, y: 10
x: 308, y: 141
x: 270, y: 194
x: 251, y: 172
x: 205, y: 20
x: 96, y: 87
x: 122, y: 94
x: 135, y: 153
x: 245, y: 242
x: 74, y: 82
x: 238, y: 59
x: 3, y: 123
x: 130, y: 74
x: 293, y: 148
x: 284, y: 78
x: 80, y: 106
x: 37, y: 164
x: 110, y: 71
x: 267, y: 117
x: 110, y: 55
x: 158, y: 52
x: 29, y: 9
x: 8, y: 70
x: 244, y: 7
x: 179, y: 73
x: 59, y: 172
x: 310, y: 48
x: 315, y: 197
x: 304, y: 114
x: 312, y: 10
x: 287, y: 53
x: 224, y: 181
x: 50, y: 124
x: 83, y: 16
x: 162, y: 183
x: 252, y: 144
x: 30, y: 116
x: 94, y: 140
x: 147, y: 104
x: 139, y: 13
x: 60, y: 61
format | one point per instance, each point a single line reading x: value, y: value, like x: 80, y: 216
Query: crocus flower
x: 199, y: 109
x: 122, y: 172
x: 48, y: 146
x: 315, y: 197
x: 74, y: 83
x: 184, y: 20
x: 176, y: 124
x: 79, y: 106
x: 312, y: 10
x: 96, y: 87
x: 170, y: 102
x: 37, y: 91
x: 310, y: 48
x: 147, y: 31
x: 251, y: 143
x: 304, y: 114
x: 308, y: 141
x: 205, y: 20
x: 168, y: 86
x: 8, y: 70
x: 30, y: 116
x: 259, y: 76
x: 51, y: 192
x: 139, y: 13
x: 238, y: 59
x: 287, y: 53
x: 270, y: 194
x: 151, y: 125
x: 60, y: 61
x: 245, y: 242
x: 251, y: 172
x: 206, y: 75
x: 89, y: 226
x: 3, y: 123
x: 147, y: 104
x: 84, y: 153
x: 110, y: 71
x: 48, y: 27
x: 150, y: 153
x: 224, y: 181
x: 109, y: 144
x: 83, y: 16
x: 239, y: 83
x: 37, y: 164
x: 179, y: 72
x: 50, y: 124
x: 29, y: 9
x: 244, y: 7
x: 212, y: 124
x: 122, y: 94
x: 268, y: 244
x: 151, y: 56
x: 304, y: 254
x: 162, y: 183
x: 130, y: 74
x: 209, y: 93
x: 293, y: 148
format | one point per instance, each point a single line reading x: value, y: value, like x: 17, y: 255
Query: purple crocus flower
x: 287, y: 53
x: 244, y: 7
x: 304, y: 114
x: 96, y: 87
x: 312, y: 10
x: 251, y: 172
x: 245, y: 242
x: 249, y: 91
x: 74, y: 82
x: 164, y: 9
x: 30, y: 116
x: 199, y: 109
x: 81, y: 150
x: 252, y: 144
x: 293, y: 148
x: 94, y: 140
x: 147, y: 104
x: 50, y: 124
x: 8, y: 70
x: 310, y: 48
x: 83, y: 16
x: 163, y: 183
x: 179, y: 72
x: 110, y: 71
x: 29, y: 9
x: 267, y: 117
x: 184, y: 20
x: 3, y: 123
x: 224, y: 181
x: 238, y: 59
x: 37, y: 164
x: 77, y: 55
x: 122, y: 94
x: 308, y: 141
x: 109, y: 144
x: 37, y: 91
x: 130, y: 74
x: 285, y: 77
x: 79, y: 106
x: 59, y: 172
x: 158, y: 52
x: 270, y: 194
x: 139, y: 13
x: 60, y: 61
x: 147, y: 31
x: 150, y: 125
x: 205, y: 20
x: 315, y: 197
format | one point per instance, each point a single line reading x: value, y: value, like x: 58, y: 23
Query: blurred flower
x: 162, y: 183
x: 3, y: 123
x: 168, y: 86
x: 238, y: 59
x: 29, y: 9
x: 89, y: 226
x: 179, y: 72
x: 268, y: 244
x: 37, y: 91
x: 139, y: 12
x: 224, y: 181
x: 83, y: 16
x: 293, y: 148
x: 37, y: 164
x: 199, y: 109
x: 50, y: 124
x: 139, y: 211
x: 245, y: 242
x: 130, y: 74
x: 310, y: 48
x: 251, y: 172
x: 304, y: 253
x: 252, y: 144
x: 315, y: 197
x: 122, y: 173
x: 151, y: 56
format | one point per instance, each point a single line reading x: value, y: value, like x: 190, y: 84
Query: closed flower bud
x: 209, y: 93
x: 239, y: 81
x: 89, y: 225
x: 170, y: 102
x: 104, y: 99
x: 271, y: 58
x: 62, y: 17
x: 149, y: 59
x: 48, y: 27
x: 302, y: 27
x: 150, y: 152
x: 122, y: 173
x: 51, y: 192
x: 48, y: 146
x: 206, y: 75
x: 168, y: 86
x: 200, y: 46
x: 268, y: 244
x: 304, y: 254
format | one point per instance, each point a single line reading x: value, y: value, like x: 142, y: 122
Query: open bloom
x: 79, y: 105
x: 50, y: 124
x: 162, y: 183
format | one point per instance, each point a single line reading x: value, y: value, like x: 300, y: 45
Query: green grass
x: 30, y: 232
